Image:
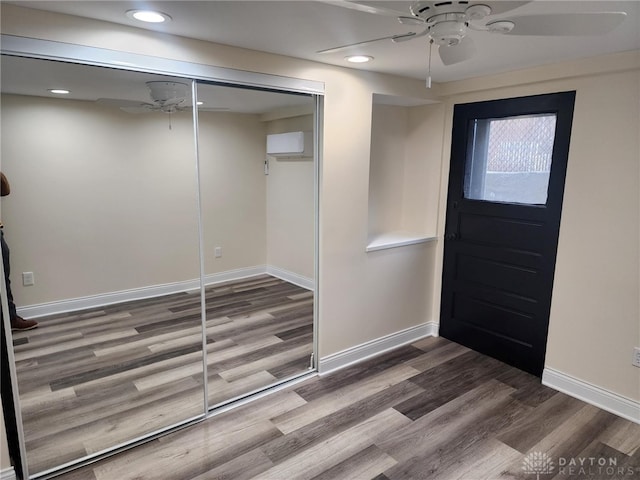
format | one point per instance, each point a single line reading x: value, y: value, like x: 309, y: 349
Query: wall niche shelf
x: 404, y: 171
x: 397, y: 239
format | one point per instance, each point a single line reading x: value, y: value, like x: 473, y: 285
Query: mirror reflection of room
x: 103, y: 224
x: 258, y: 222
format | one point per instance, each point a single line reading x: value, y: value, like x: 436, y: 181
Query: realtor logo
x: 537, y: 463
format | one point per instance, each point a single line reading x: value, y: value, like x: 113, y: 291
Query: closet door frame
x: 99, y: 57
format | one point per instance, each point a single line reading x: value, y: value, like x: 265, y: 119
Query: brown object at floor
x: 19, y: 324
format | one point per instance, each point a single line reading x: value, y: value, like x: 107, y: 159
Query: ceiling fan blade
x: 361, y: 7
x: 365, y: 42
x: 498, y: 8
x: 404, y: 20
x: 140, y: 108
x: 566, y: 24
x: 465, y: 50
x: 403, y: 37
x: 116, y: 102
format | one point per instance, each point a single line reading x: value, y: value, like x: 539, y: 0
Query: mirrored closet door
x: 168, y: 255
x: 257, y: 176
x: 102, y: 226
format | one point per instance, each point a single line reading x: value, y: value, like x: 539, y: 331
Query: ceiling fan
x: 450, y: 25
x: 167, y: 97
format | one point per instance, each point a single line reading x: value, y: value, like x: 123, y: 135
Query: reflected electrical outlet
x: 27, y: 279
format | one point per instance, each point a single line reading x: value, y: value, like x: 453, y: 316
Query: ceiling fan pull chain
x: 429, y: 70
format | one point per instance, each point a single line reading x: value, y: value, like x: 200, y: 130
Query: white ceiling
x: 301, y: 28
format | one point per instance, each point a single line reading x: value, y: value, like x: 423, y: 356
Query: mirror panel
x: 259, y: 230
x: 103, y: 213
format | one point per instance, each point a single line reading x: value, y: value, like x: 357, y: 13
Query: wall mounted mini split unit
x: 290, y: 145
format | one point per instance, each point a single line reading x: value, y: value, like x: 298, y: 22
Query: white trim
x: 100, y: 300
x: 8, y: 474
x: 290, y: 277
x: 102, y: 57
x: 376, y: 347
x: 598, y: 396
x: 92, y: 301
x: 231, y: 275
x: 13, y: 375
x: 397, y: 239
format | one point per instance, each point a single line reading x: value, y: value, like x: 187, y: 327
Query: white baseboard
x: 8, y: 474
x: 291, y: 277
x: 376, y: 347
x: 231, y: 275
x: 611, y: 402
x: 93, y: 301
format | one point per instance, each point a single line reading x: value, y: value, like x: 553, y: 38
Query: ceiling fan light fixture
x: 148, y: 16
x: 358, y: 58
x: 448, y: 33
x: 168, y: 92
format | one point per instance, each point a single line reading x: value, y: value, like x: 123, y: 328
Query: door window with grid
x: 509, y: 159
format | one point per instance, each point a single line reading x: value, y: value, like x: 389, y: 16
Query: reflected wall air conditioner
x: 290, y: 145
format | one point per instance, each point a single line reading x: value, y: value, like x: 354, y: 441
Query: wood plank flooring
x: 431, y: 410
x: 93, y: 379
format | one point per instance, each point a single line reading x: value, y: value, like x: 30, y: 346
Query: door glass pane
x: 509, y: 159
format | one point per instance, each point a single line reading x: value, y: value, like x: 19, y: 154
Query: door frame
x: 560, y: 103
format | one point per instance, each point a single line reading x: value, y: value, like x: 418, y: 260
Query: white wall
x: 104, y: 201
x: 232, y: 148
x: 423, y: 168
x: 96, y: 212
x: 405, y: 169
x: 389, y: 125
x: 290, y: 205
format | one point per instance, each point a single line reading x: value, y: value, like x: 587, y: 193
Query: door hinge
x: 266, y: 166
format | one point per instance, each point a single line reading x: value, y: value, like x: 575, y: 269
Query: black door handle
x: 450, y: 236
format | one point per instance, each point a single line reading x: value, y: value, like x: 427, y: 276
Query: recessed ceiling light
x: 59, y: 91
x: 148, y: 16
x: 359, y: 58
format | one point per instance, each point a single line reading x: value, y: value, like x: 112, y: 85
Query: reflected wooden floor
x: 93, y: 379
x: 432, y: 410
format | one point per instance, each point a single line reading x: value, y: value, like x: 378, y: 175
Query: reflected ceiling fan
x: 450, y: 25
x: 167, y: 97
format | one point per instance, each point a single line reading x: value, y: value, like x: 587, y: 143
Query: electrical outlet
x: 217, y: 252
x: 27, y: 279
x: 636, y: 357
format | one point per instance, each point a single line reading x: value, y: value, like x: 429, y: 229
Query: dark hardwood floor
x: 432, y: 410
x: 93, y: 379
